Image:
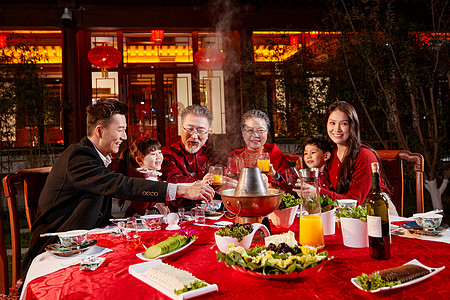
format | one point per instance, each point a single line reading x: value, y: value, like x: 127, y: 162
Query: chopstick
x: 50, y: 234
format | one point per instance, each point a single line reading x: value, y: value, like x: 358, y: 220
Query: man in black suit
x: 78, y: 191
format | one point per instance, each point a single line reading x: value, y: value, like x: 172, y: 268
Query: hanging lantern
x: 104, y: 57
x: 2, y: 41
x: 209, y: 59
x: 157, y: 36
x: 294, y: 40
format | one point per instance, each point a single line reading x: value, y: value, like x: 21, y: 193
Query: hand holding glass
x: 263, y: 162
x: 217, y: 175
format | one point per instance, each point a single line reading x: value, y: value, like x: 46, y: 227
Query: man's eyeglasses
x: 197, y: 131
x: 251, y: 131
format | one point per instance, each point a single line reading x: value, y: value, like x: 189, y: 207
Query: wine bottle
x: 378, y: 218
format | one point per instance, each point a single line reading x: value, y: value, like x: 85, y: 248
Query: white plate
x: 141, y: 255
x: 138, y: 271
x: 216, y: 216
x: 434, y: 271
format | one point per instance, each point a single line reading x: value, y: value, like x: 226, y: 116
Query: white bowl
x: 223, y: 241
x: 429, y: 222
x: 343, y: 203
x: 73, y: 237
x: 152, y: 221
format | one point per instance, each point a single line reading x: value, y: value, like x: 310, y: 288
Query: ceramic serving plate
x: 138, y: 271
x: 310, y: 271
x: 59, y: 250
x: 141, y: 255
x: 414, y: 228
x: 434, y: 271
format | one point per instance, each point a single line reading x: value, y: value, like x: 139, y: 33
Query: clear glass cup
x: 234, y: 166
x: 217, y: 175
x: 181, y: 211
x: 121, y: 227
x: 200, y: 214
x: 131, y: 229
x: 263, y: 162
x: 291, y: 177
x: 311, y: 227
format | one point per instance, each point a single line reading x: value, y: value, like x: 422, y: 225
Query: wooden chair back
x: 392, y: 161
x: 4, y: 276
x: 33, y: 182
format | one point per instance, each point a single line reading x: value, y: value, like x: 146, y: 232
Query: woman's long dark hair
x: 353, y: 147
x: 353, y: 144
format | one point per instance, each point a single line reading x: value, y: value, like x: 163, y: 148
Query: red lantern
x: 104, y: 57
x: 294, y: 40
x: 2, y: 40
x: 157, y: 36
x: 209, y: 59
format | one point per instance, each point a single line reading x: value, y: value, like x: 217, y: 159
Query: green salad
x: 238, y: 231
x: 267, y: 262
x: 354, y: 212
x: 289, y: 200
x: 374, y: 282
x: 326, y: 203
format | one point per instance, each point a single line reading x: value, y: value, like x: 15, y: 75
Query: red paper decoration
x: 104, y: 57
x: 209, y: 59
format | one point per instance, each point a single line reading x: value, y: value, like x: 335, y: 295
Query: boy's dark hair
x: 101, y: 113
x: 319, y: 140
x: 144, y: 146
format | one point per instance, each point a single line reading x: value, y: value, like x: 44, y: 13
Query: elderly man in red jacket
x: 188, y: 160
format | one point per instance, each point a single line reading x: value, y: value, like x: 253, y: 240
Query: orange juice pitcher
x: 311, y: 228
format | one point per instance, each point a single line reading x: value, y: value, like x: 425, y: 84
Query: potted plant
x: 353, y: 221
x: 284, y: 215
x: 328, y: 206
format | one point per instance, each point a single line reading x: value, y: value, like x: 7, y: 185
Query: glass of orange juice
x: 263, y: 162
x: 311, y: 228
x: 217, y: 175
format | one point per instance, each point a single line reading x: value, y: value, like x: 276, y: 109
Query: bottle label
x: 374, y: 226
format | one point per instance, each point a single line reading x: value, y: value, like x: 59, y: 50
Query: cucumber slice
x: 153, y: 252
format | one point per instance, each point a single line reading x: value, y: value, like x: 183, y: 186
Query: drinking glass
x: 217, y: 174
x: 131, y: 229
x: 234, y: 167
x: 311, y: 227
x: 200, y: 214
x: 181, y: 212
x: 291, y: 177
x: 263, y: 162
x: 121, y: 227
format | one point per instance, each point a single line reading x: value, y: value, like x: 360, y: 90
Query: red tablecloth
x: 112, y: 280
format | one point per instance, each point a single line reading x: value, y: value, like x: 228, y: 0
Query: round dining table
x: 113, y: 281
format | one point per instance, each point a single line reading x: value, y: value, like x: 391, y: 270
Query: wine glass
x: 291, y: 177
x: 181, y: 212
x: 263, y: 162
x: 121, y: 227
x: 233, y: 169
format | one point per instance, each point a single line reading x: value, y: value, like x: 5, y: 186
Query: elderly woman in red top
x: 254, y: 126
x: 350, y: 165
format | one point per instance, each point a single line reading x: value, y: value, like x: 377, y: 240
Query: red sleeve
x: 173, y: 168
x: 361, y: 183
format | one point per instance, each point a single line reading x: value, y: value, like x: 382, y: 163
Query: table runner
x: 112, y: 281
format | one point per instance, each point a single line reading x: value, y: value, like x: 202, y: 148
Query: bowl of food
x: 152, y: 222
x: 428, y: 221
x: 238, y: 234
x: 343, y: 203
x: 73, y: 237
